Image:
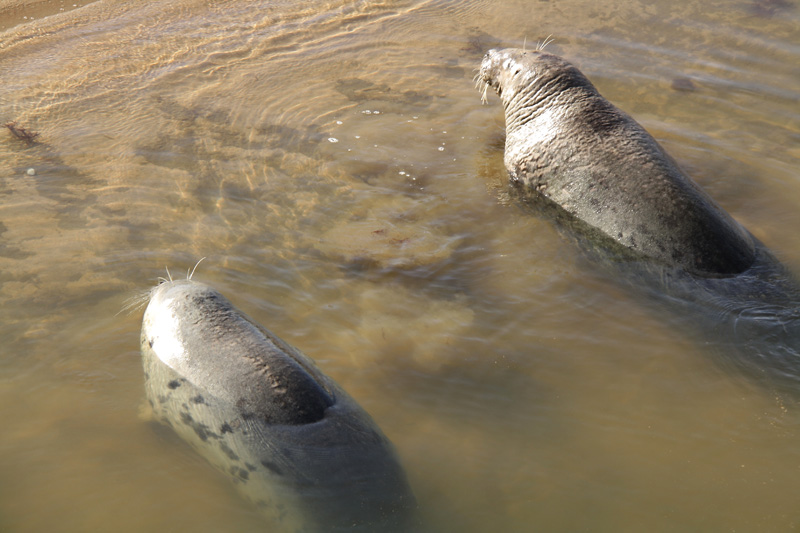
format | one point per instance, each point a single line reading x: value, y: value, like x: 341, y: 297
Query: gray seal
x: 292, y: 440
x: 648, y: 226
x: 572, y: 147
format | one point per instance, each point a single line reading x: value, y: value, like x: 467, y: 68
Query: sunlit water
x: 333, y: 163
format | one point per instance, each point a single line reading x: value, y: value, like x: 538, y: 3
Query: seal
x: 569, y: 145
x: 291, y: 439
x: 646, y: 224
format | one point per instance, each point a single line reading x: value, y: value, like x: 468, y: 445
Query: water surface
x: 333, y: 163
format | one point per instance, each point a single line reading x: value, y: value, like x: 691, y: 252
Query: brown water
x: 333, y: 163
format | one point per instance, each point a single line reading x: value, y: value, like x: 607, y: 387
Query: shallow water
x: 333, y: 163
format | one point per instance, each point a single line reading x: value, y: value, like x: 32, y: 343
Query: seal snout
x: 489, y: 66
x: 506, y: 68
x: 487, y: 75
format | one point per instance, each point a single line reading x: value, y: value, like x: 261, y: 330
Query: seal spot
x: 226, y: 428
x: 198, y: 399
x: 272, y: 467
x: 174, y: 384
x: 227, y: 451
x: 239, y: 474
x: 202, y: 432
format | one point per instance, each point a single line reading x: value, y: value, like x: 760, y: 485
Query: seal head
x: 198, y: 333
x: 569, y: 145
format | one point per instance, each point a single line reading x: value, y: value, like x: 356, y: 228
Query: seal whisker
x: 190, y: 274
x: 135, y: 302
x: 168, y: 274
x: 548, y: 40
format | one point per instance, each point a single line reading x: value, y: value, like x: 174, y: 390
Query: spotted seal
x: 569, y: 145
x: 292, y: 440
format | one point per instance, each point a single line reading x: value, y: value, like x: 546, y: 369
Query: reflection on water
x: 333, y: 162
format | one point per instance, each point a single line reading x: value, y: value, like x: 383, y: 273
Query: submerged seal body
x: 568, y: 144
x: 645, y: 221
x: 294, y: 442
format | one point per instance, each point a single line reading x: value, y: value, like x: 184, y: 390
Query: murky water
x: 333, y: 163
